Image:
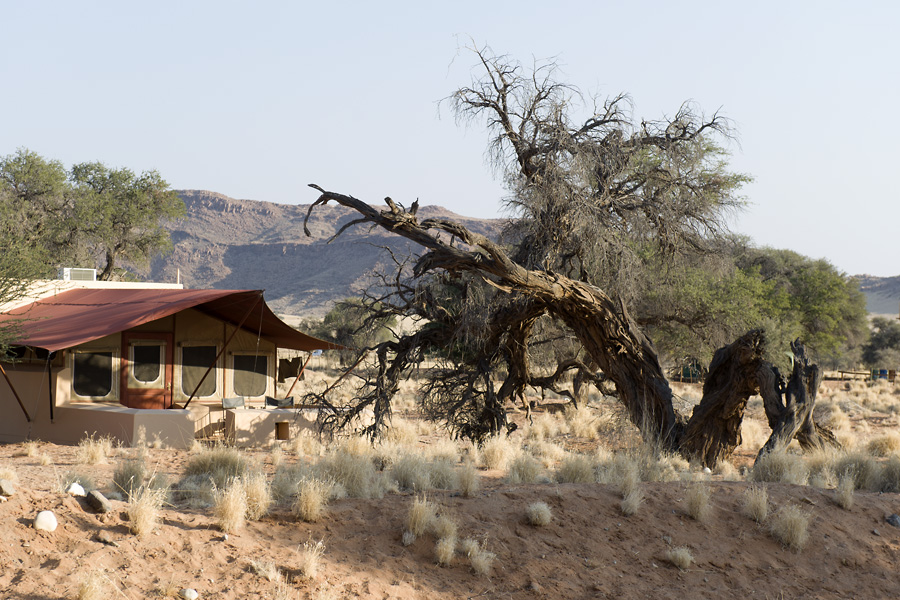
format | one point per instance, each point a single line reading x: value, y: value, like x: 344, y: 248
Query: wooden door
x: 146, y: 372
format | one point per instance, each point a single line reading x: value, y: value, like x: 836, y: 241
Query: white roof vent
x: 72, y: 274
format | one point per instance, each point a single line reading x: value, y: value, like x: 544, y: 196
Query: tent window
x: 147, y: 362
x: 93, y: 373
x: 250, y: 374
x: 195, y: 360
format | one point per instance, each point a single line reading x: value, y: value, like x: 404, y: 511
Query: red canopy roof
x: 81, y: 315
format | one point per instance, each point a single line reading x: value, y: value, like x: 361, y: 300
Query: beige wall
x: 256, y: 427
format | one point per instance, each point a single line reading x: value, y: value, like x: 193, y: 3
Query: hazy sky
x: 255, y: 100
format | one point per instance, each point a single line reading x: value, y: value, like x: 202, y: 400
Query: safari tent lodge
x: 130, y: 359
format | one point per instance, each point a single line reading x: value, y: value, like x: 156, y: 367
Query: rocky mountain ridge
x: 227, y: 243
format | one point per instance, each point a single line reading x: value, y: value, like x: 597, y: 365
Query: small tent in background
x: 105, y: 358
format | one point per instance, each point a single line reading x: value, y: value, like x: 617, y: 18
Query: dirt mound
x: 589, y: 550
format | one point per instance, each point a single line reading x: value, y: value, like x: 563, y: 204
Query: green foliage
x: 89, y: 216
x: 882, y: 350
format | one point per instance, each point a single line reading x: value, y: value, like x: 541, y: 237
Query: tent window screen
x: 250, y: 374
x: 147, y: 362
x: 93, y: 373
x: 195, y: 360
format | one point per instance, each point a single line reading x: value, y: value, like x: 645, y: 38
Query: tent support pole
x: 15, y: 393
x: 299, y: 375
x: 222, y: 351
x: 50, y: 384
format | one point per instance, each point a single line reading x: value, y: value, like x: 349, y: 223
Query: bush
x: 790, y: 526
x: 538, y: 514
x: 220, y: 464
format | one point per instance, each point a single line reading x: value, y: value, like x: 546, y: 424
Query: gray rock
x: 98, y: 502
x: 75, y: 489
x: 189, y: 594
x: 7, y: 488
x: 894, y: 520
x: 45, y: 521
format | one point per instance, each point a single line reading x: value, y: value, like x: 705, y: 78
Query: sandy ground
x: 589, y: 550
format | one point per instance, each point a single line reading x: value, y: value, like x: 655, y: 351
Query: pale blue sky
x: 255, y: 100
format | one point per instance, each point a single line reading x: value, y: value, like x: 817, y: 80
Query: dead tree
x: 613, y: 341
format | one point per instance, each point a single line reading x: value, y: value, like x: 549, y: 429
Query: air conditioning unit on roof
x: 72, y: 274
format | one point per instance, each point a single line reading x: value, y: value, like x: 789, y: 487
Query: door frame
x: 150, y: 398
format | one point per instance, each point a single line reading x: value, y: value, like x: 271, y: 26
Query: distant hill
x: 226, y: 243
x: 882, y: 294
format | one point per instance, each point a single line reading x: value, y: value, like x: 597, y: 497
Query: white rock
x: 76, y: 489
x: 45, y: 521
x: 189, y: 594
x: 707, y: 470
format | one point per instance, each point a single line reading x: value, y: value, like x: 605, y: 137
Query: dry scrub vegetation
x: 302, y: 481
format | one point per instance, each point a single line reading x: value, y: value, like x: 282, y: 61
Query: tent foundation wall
x: 247, y: 427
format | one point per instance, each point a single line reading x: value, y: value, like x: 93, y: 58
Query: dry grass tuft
x: 411, y: 472
x: 143, y: 511
x: 697, y: 501
x: 231, y: 507
x: 632, y: 501
x: 582, y: 422
x: 885, y: 445
x: 312, y: 498
x: 790, y: 526
x: 756, y: 503
x: 497, y: 452
x: 481, y: 560
x: 267, y: 569
x: 844, y: 491
x: 444, y: 527
x: 539, y: 514
x: 352, y: 467
x: 779, y: 466
x: 310, y: 558
x: 445, y: 550
x: 219, y: 464
x: 95, y: 585
x: 129, y: 476
x: 259, y: 495
x: 94, y: 450
x: 524, y: 469
x: 681, y: 557
x: 9, y: 474
x: 443, y: 474
x: 469, y: 480
x: 576, y: 468
x: 422, y: 515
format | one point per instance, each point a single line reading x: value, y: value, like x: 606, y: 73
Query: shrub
x: 444, y: 527
x: 538, y: 514
x: 790, y: 526
x: 231, y: 507
x: 681, y: 557
x: 884, y: 445
x: 756, y: 503
x: 267, y: 569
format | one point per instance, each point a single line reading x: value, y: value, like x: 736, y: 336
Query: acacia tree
x: 590, y: 201
x: 89, y: 215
